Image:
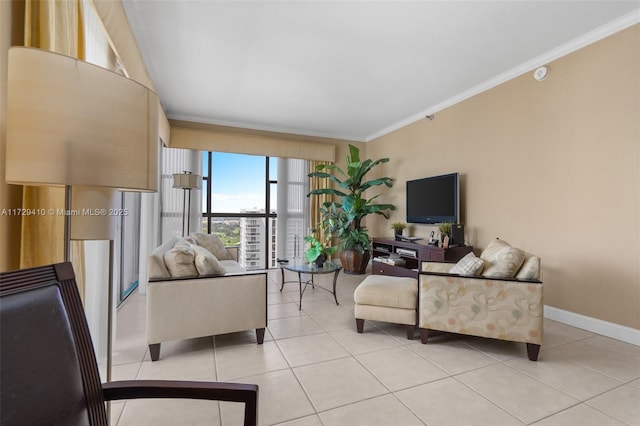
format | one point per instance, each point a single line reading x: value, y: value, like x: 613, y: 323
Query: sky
x: 238, y: 182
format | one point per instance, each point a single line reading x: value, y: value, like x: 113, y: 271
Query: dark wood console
x: 412, y: 254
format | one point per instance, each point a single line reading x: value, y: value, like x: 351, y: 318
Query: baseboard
x: 609, y: 329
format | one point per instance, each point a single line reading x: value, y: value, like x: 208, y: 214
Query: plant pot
x: 354, y: 262
x: 319, y: 262
x: 399, y: 236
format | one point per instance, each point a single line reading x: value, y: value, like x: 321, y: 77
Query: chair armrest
x: 481, y: 277
x: 219, y: 391
x: 234, y: 252
x: 429, y: 266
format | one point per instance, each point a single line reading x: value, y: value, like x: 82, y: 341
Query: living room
x: 550, y: 166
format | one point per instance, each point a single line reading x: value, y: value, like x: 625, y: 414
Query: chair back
x: 48, y: 369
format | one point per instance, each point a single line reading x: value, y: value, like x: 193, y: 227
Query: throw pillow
x: 493, y: 248
x: 180, y: 260
x: 530, y: 269
x: 502, y: 260
x: 468, y: 265
x: 206, y: 263
x: 212, y: 243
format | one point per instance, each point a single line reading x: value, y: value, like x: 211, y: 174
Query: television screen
x: 434, y: 199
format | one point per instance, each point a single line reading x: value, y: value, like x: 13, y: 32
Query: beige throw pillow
x: 468, y: 265
x: 206, y: 263
x: 501, y: 260
x: 212, y: 243
x: 530, y: 269
x: 180, y: 260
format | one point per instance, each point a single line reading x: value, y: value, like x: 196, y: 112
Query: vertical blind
x: 293, y: 207
x: 175, y: 160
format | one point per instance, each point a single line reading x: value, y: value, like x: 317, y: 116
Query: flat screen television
x: 434, y: 199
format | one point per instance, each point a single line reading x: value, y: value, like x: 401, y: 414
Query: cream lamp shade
x: 93, y: 213
x: 186, y: 180
x: 73, y: 123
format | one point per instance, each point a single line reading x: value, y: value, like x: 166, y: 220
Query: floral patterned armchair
x: 497, y: 295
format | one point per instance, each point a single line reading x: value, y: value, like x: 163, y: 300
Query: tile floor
x: 314, y: 369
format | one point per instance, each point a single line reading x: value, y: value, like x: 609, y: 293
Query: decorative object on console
x: 186, y: 181
x: 457, y: 234
x: 347, y: 214
x: 398, y: 227
x: 445, y: 230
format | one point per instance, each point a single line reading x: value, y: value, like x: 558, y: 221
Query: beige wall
x: 551, y: 167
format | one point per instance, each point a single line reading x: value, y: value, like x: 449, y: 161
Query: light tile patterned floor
x: 314, y: 369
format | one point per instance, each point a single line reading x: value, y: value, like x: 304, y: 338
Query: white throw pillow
x: 212, y: 243
x: 180, y: 260
x: 468, y: 265
x: 206, y: 263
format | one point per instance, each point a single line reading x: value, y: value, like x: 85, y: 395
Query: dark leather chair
x: 48, y: 369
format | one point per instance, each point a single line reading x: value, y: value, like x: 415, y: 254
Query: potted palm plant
x: 345, y: 216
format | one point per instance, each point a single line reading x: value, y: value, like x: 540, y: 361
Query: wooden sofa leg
x: 532, y: 351
x: 260, y: 335
x: 410, y: 331
x: 424, y: 335
x: 154, y: 351
x: 359, y: 325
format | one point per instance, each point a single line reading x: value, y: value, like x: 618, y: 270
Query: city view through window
x: 239, y: 195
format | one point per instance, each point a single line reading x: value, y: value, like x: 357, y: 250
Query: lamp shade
x: 73, y: 123
x: 93, y: 213
x: 186, y: 181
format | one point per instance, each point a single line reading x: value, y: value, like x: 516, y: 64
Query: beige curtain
x: 55, y: 26
x: 316, y: 201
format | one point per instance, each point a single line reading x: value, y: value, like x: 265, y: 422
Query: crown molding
x: 591, y: 37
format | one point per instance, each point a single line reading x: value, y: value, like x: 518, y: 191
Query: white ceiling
x: 350, y: 69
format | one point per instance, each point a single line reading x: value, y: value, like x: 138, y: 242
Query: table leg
x: 300, y: 283
x: 282, y: 284
x: 335, y: 279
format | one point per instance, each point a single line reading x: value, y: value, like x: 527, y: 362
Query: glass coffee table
x: 312, y: 269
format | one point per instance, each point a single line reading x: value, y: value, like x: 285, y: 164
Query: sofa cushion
x: 206, y: 263
x: 155, y: 261
x: 501, y: 259
x: 468, y: 265
x: 212, y: 243
x: 530, y: 269
x: 180, y: 260
x: 232, y: 267
x: 389, y: 291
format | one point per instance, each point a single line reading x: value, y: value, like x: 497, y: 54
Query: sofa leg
x: 424, y: 335
x: 154, y: 351
x: 260, y: 335
x: 359, y: 325
x: 410, y: 331
x: 532, y: 351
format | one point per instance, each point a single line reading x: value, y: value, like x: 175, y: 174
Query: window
x: 246, y: 199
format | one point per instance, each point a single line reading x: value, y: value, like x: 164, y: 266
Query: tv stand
x: 411, y: 255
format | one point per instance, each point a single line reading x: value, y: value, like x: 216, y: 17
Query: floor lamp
x: 77, y: 125
x: 186, y: 181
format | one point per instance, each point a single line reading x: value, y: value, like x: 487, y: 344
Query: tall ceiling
x: 350, y: 69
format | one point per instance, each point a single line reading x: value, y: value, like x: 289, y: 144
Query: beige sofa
x: 182, y: 303
x: 497, y: 295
